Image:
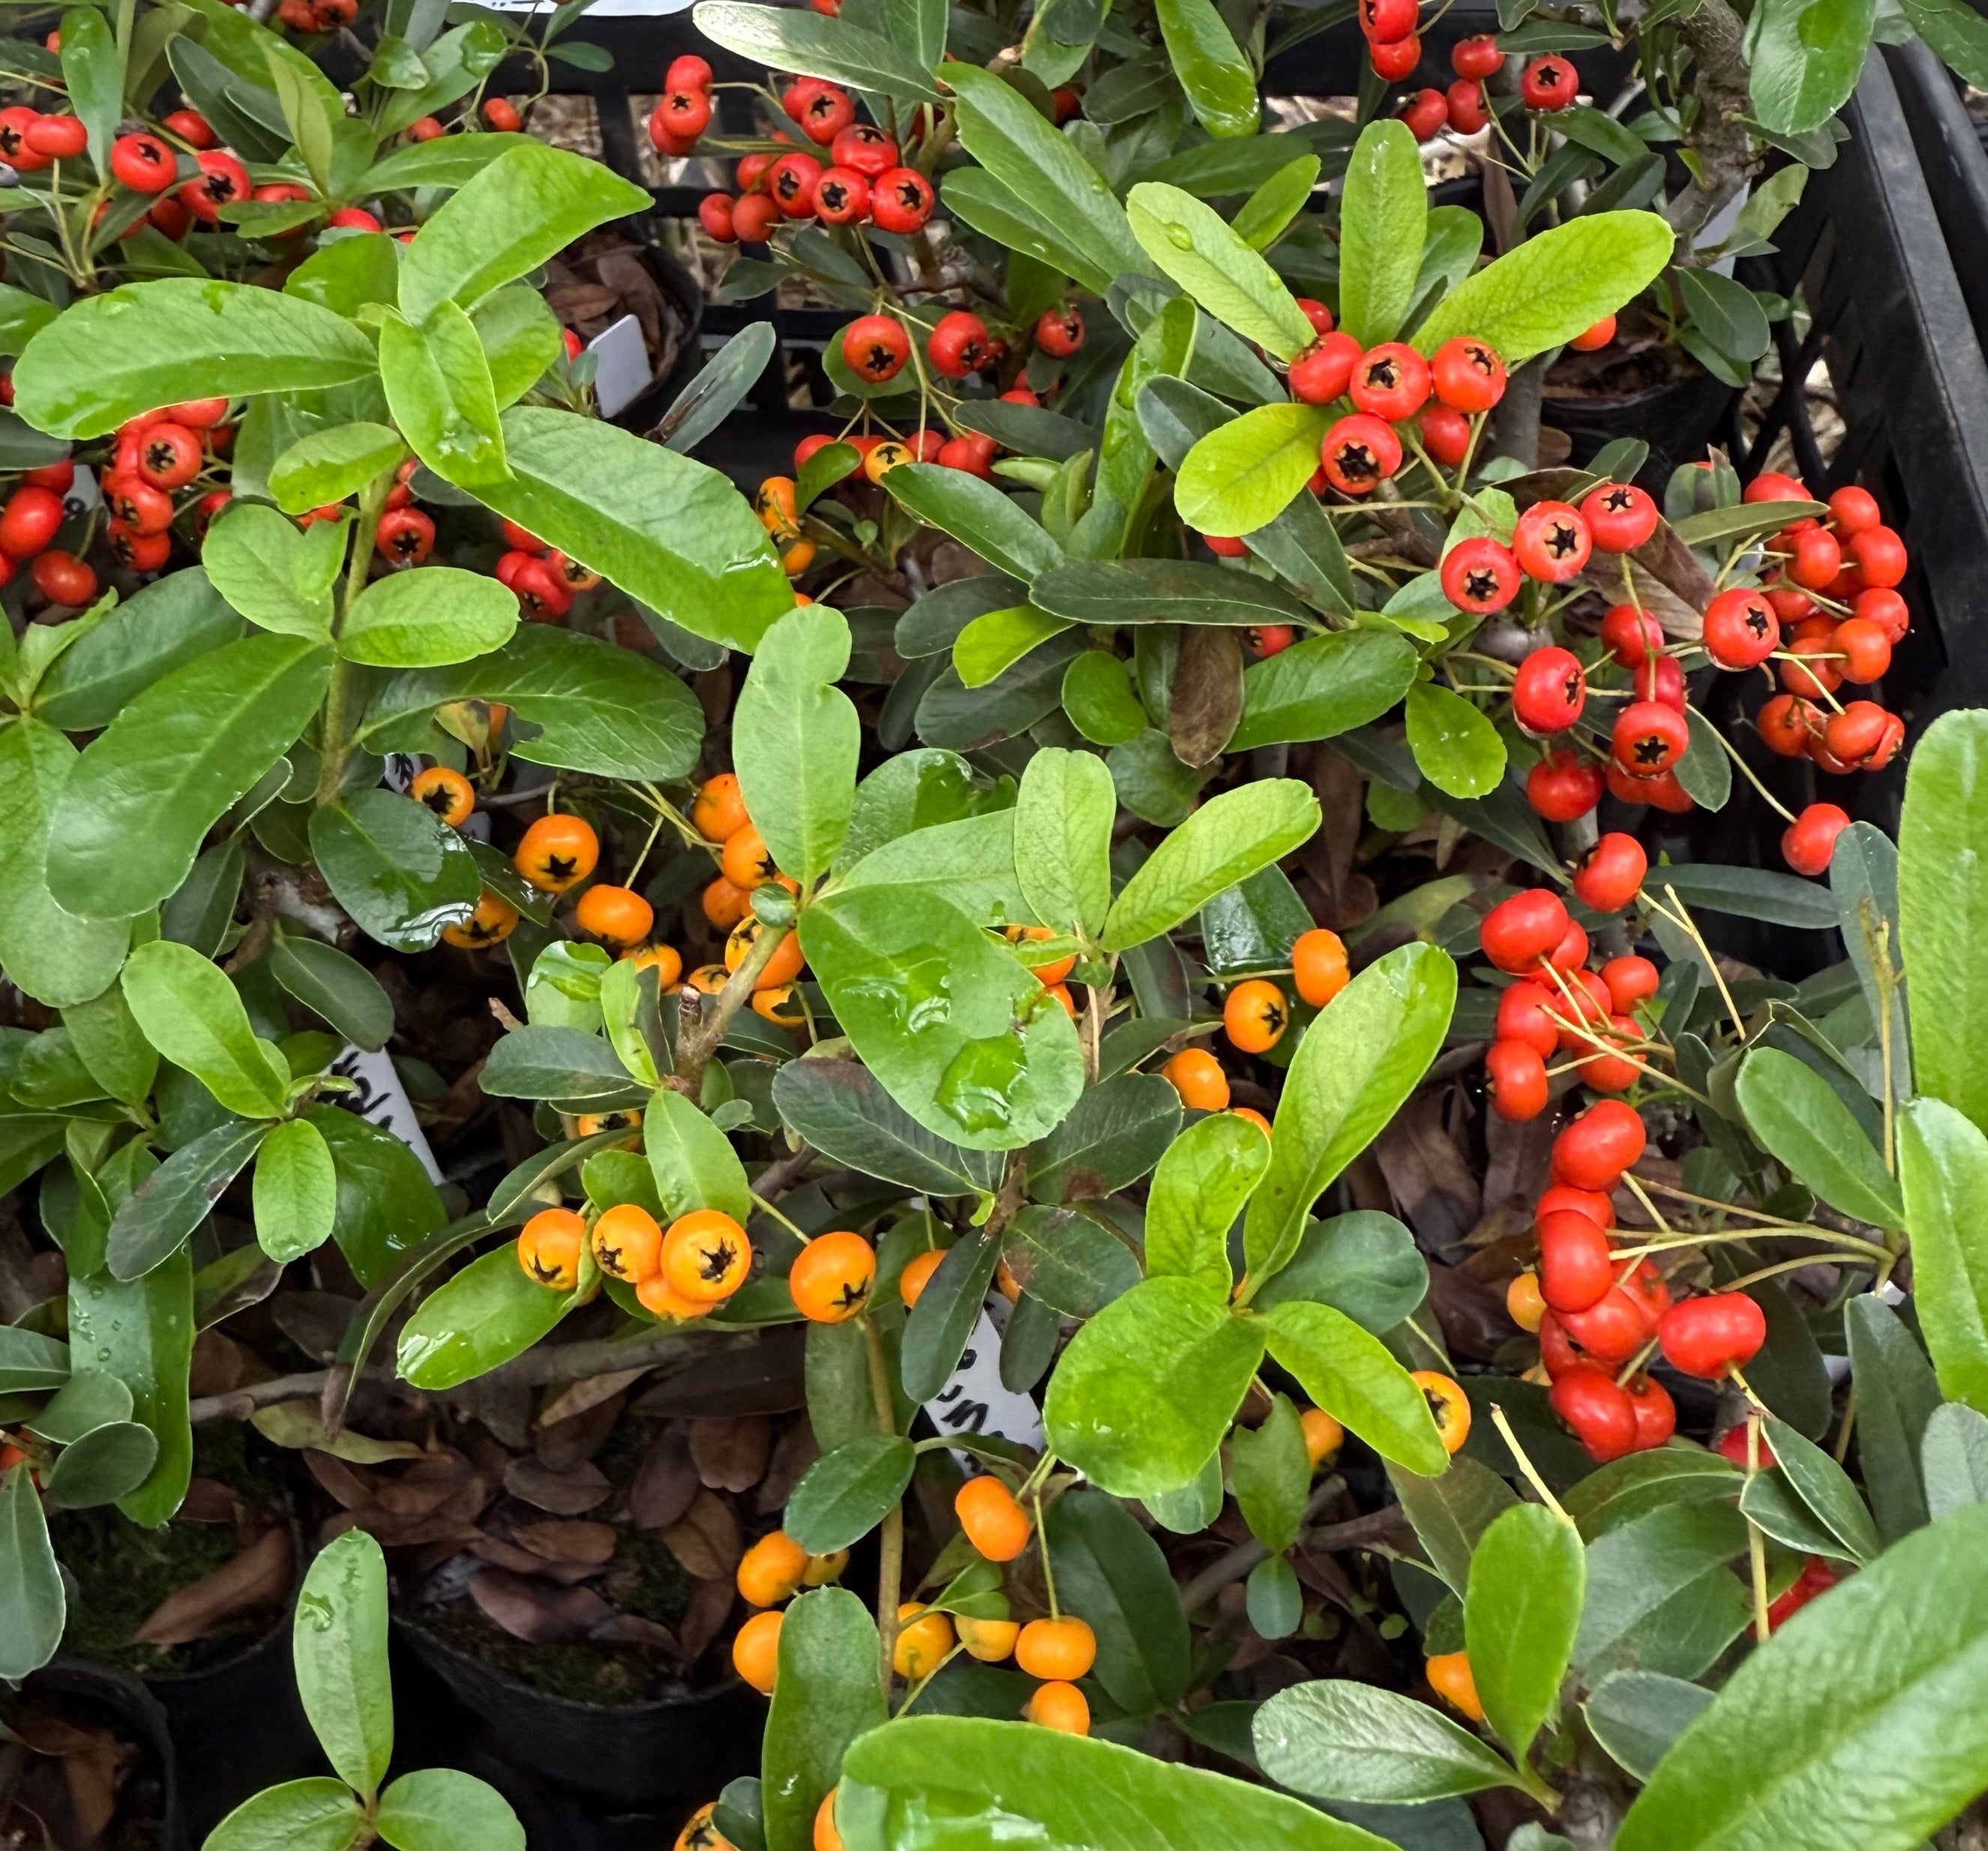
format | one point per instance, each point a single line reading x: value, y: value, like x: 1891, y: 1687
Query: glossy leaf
x: 1354, y: 1378
x: 386, y: 1205
x: 487, y: 1314
x: 427, y: 618
x: 132, y: 349
x: 796, y: 738
x: 942, y: 1321
x: 839, y: 1108
x: 1660, y: 1593
x: 162, y: 626
x: 1953, y: 1455
x: 443, y: 1809
x: 1163, y: 591
x: 1797, y: 1114
x: 1527, y: 1580
x: 1271, y: 1474
x: 314, y: 1815
x: 692, y: 1161
x: 1637, y: 1715
x: 1546, y: 290
x: 330, y: 464
x: 31, y: 1603
x: 1063, y: 815
x: 339, y: 1644
x: 826, y: 1695
x: 1200, y: 1187
x: 1364, y: 1263
x: 141, y: 1331
x: 338, y: 988
x: 277, y: 578
x: 1225, y: 840
x: 400, y: 872
x: 1323, y: 686
x: 1221, y: 87
x: 1110, y: 1573
x: 1359, y: 1061
x: 148, y: 788
x: 99, y: 1467
x: 1943, y: 1169
x: 1193, y: 244
x: 1338, y: 1740
x: 1242, y: 476
x: 1805, y: 56
x: 295, y: 1191
x: 1383, y: 219
x: 194, y: 1015
x: 1066, y: 1259
x: 1456, y: 747
x: 816, y: 47
x: 844, y: 1494
x: 161, y: 1215
x: 1897, y: 1394
x: 437, y: 379
x: 977, y: 515
x: 1113, y: 1134
x: 1147, y: 1388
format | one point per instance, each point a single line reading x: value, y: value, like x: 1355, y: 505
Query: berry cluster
x: 153, y: 458
x: 1600, y: 1314
x: 542, y: 579
x: 1548, y: 83
x: 682, y: 1274
x: 864, y: 181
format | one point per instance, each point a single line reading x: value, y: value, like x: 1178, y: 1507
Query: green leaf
x: 148, y: 788
x: 1660, y: 1595
x: 85, y: 1401
x: 1146, y: 1390
x: 1637, y: 1715
x: 393, y: 864
x: 826, y: 1695
x: 490, y: 1312
x: 1272, y: 1474
x: 1527, y: 1579
x: 1111, y: 1574
x: 1063, y: 815
x: 443, y: 1809
x: 1383, y: 220
x: 936, y: 1333
x: 1221, y: 87
x: 1956, y: 32
x: 970, y: 861
x: 1352, y: 1375
x: 314, y: 1815
x: 329, y: 465
x: 161, y: 1215
x: 974, y: 1773
x: 449, y: 161
x: 1727, y: 313
x: 1323, y: 686
x: 520, y: 337
x: 31, y: 1603
x: 997, y: 641
x: 978, y: 515
x: 1456, y: 747
x: 1192, y: 244
x: 1805, y: 56
x: 161, y: 626
x: 1226, y: 841
x: 1896, y: 1397
x: 1065, y: 1260
x: 439, y: 389
x: 1263, y: 218
x: 1201, y: 1185
x: 1114, y: 1134
x: 1163, y: 591
x: 1953, y: 1455
x: 1242, y: 475
x: 668, y: 530
x: 277, y: 578
x: 1364, y: 1263
x: 1886, y: 1669
x: 1358, y: 1062
x: 1748, y: 893
x: 58, y: 958
x: 1544, y: 292
x: 796, y: 738
x: 110, y: 357
x: 973, y: 196
x: 1797, y: 1114
x: 572, y: 1065
x: 387, y: 1205
x: 107, y: 1463
x: 339, y: 989
x: 1339, y: 1740
x: 93, y: 69
x: 692, y: 1161
x: 295, y: 1191
x: 815, y: 47
x: 1825, y: 1488
x: 1943, y: 909
x: 839, y: 1108
x: 525, y: 207
x: 194, y: 1015
x: 428, y: 617
x: 1943, y: 1169
x: 931, y: 1006
x: 845, y: 1494
x: 141, y: 1331
x: 338, y: 1642
x: 1045, y: 173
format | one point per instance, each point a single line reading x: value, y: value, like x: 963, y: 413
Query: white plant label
x: 379, y: 1097
x: 974, y: 1401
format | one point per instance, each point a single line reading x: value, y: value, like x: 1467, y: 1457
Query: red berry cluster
x: 1548, y: 83
x: 1559, y: 1005
x: 152, y: 458
x: 318, y: 16
x: 683, y: 112
x: 28, y: 522
x: 864, y: 182
x: 544, y: 580
x: 1389, y: 384
x: 1601, y: 1315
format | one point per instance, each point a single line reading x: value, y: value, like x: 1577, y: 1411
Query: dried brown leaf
x: 666, y: 1481
x: 709, y: 1608
x: 577, y: 1397
x: 590, y: 1543
x: 535, y: 1612
x: 260, y: 1576
x: 706, y: 1539
x: 731, y: 1455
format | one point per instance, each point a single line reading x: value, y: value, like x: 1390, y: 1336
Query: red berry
x: 841, y: 196
x: 1595, y: 338
x: 502, y: 115
x: 63, y: 579
x: 1811, y: 668
x: 1632, y: 633
x: 865, y: 147
x: 404, y: 537
x: 1620, y: 516
x: 143, y: 163
x: 959, y: 345
x: 826, y: 112
x: 1866, y: 650
x: 542, y: 595
x: 1879, y: 555
x: 1612, y: 875
x: 30, y: 521
x: 1480, y: 576
x: 1784, y: 725
x: 1316, y: 314
x: 791, y: 182
x: 753, y: 218
x: 687, y: 72
x: 1656, y: 1413
x: 1741, y: 630
x: 1550, y: 691
x: 1445, y: 434
x: 900, y: 200
x: 169, y: 455
x: 1817, y: 1577
x: 1886, y: 610
x: 1612, y: 1329
x: 1592, y: 1152
x: 1630, y: 980
x: 223, y: 180
x: 1059, y: 331
x: 1732, y: 1444
x: 1322, y: 371
x: 875, y: 348
x: 1649, y: 738
x: 1524, y: 1017
x: 16, y: 123
x: 1265, y: 640
x: 1551, y: 543
x: 714, y: 213
x: 1601, y: 1414
x: 136, y: 552
x: 1465, y: 101
x: 1359, y: 453
x: 61, y: 138
x: 1564, y: 785
x: 1386, y: 21
x: 1706, y: 1337
x: 1572, y: 953
x: 1771, y: 485
x: 1807, y: 844
x: 1519, y: 932
x: 1517, y: 1078
x: 1427, y: 114
x: 1391, y: 382
x: 684, y: 115
x: 1817, y: 559
x: 1478, y: 57
x: 1549, y: 83
x: 1577, y: 1263
x: 1854, y: 510
x: 1598, y: 1208
x: 1468, y: 375
x: 1395, y: 59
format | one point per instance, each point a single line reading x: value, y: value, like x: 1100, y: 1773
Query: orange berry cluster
x: 718, y: 814
x: 682, y: 1272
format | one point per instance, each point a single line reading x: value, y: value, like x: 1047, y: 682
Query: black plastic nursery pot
x: 96, y: 1694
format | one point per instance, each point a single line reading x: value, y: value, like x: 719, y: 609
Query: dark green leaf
x: 1339, y: 1740
x: 1527, y: 1580
x: 826, y: 1694
x: 1067, y: 1260
x: 1323, y: 686
x: 393, y: 864
x: 845, y: 1493
x: 1110, y: 1573
x: 839, y: 1108
x: 339, y: 989
x: 1115, y: 1133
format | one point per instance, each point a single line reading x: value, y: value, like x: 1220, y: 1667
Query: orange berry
x: 825, y: 1837
x: 627, y: 1244
x: 1197, y: 1077
x: 705, y: 1256
x: 1049, y: 974
x: 772, y: 1570
x: 1448, y: 1673
x: 493, y: 921
x: 1060, y: 1706
x: 699, y: 1834
x: 830, y: 1278
x: 590, y: 1124
x: 707, y: 979
x: 989, y: 1640
x: 449, y: 793
x: 1323, y: 1436
x: 917, y: 1275
x: 745, y: 861
x: 756, y: 1653
x: 822, y: 1569
x: 665, y: 960
x: 557, y: 852
x: 924, y: 1639
x: 1318, y: 965
x: 1255, y: 1016
x: 724, y: 904
x: 1010, y: 1287
x: 995, y: 1523
x: 1065, y: 1649
x: 1254, y: 1116
x: 779, y: 1006
x: 1449, y: 1405
x: 655, y: 1296
x: 782, y: 968
x: 1061, y: 992
x: 617, y: 916
x: 719, y: 810
x: 548, y: 1248
x: 1524, y: 1304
